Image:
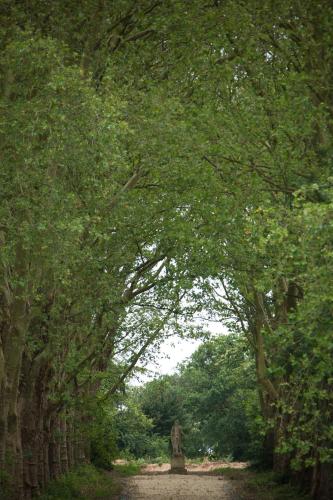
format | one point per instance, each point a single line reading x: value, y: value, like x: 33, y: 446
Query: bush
x: 129, y: 469
x: 157, y: 448
x: 85, y: 483
x: 103, y: 435
x: 103, y: 453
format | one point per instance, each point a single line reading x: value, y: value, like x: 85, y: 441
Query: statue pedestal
x: 178, y: 465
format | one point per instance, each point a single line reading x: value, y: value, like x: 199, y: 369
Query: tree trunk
x: 324, y: 486
x: 70, y: 444
x: 55, y: 463
x: 63, y: 445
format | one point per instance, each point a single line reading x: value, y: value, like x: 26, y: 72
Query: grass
x: 85, y: 483
x: 128, y: 469
x: 261, y: 485
x: 267, y: 485
x: 158, y: 460
x: 230, y: 473
x: 195, y: 461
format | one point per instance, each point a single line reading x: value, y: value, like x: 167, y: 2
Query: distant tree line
x: 214, y: 397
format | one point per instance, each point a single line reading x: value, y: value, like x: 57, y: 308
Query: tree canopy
x: 159, y: 158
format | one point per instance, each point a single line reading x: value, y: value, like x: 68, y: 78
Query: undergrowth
x: 85, y: 483
x: 128, y: 469
x: 262, y: 485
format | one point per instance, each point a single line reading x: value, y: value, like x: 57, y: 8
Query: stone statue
x: 176, y: 439
x: 177, y: 456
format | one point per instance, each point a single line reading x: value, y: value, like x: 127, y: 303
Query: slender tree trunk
x: 30, y: 443
x: 11, y: 410
x: 324, y: 489
x: 45, y: 469
x: 55, y: 462
x: 70, y: 444
x: 63, y: 445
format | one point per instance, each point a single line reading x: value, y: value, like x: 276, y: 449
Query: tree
x: 149, y: 149
x: 215, y: 399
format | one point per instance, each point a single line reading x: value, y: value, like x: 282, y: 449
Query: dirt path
x: 178, y: 487
x: 155, y: 483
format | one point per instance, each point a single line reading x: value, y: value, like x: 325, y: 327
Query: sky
x: 173, y: 351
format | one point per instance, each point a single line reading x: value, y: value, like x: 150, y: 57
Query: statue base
x: 178, y: 465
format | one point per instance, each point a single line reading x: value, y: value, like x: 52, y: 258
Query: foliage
x: 159, y: 158
x: 86, y: 482
x: 103, y: 437
x: 132, y: 429
x: 221, y: 395
x: 129, y: 469
x: 214, y: 397
x: 268, y: 485
x: 260, y: 485
x: 162, y: 400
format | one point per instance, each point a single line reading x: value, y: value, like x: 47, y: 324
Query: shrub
x: 85, y: 483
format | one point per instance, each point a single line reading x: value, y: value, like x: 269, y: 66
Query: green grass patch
x: 269, y: 486
x: 261, y: 485
x: 231, y: 473
x: 85, y: 483
x: 129, y: 469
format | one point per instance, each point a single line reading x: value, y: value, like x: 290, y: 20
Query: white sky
x: 175, y: 350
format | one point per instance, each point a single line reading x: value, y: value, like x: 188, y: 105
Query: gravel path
x: 155, y: 483
x: 178, y: 487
